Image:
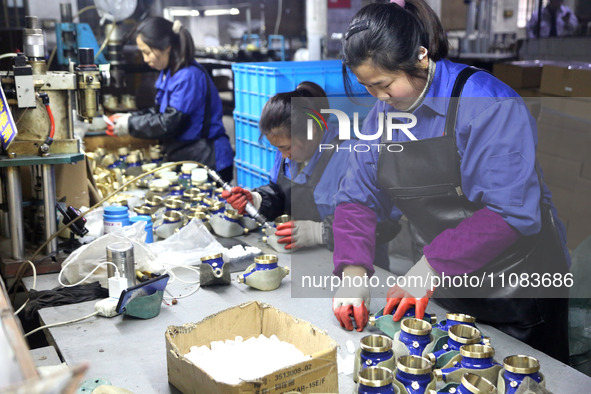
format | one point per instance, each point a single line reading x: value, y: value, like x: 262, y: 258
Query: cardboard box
x: 562, y: 199
x: 586, y: 170
x: 528, y: 93
x: 582, y: 196
x: 453, y: 15
x: 525, y: 74
x: 573, y: 144
x: 577, y: 108
x: 578, y: 230
x: 559, y: 171
x: 249, y: 320
x: 568, y: 80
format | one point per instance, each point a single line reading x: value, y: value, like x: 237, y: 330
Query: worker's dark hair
x: 280, y: 117
x: 157, y: 33
x: 391, y: 36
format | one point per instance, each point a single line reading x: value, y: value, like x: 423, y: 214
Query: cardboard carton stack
x: 564, y: 152
x: 564, y: 149
x: 562, y: 107
x: 523, y: 76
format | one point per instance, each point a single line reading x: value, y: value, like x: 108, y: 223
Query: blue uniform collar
x: 165, y: 75
x: 163, y: 78
x: 442, y: 86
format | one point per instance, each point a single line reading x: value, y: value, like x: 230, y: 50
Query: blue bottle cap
x: 115, y: 209
x: 139, y: 218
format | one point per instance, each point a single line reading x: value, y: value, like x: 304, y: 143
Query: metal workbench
x: 130, y: 353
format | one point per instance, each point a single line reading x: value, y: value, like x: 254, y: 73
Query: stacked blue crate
x: 254, y: 85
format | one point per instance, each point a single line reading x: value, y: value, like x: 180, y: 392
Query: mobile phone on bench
x: 146, y: 288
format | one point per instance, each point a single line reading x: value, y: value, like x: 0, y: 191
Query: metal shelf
x: 60, y: 158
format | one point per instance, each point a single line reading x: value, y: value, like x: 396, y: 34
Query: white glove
x: 419, y: 279
x: 121, y: 127
x: 257, y: 199
x: 415, y: 291
x: 300, y: 233
x: 351, y: 302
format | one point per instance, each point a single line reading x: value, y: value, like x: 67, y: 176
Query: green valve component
x: 447, y: 359
x: 145, y: 307
x: 451, y: 388
x: 391, y: 327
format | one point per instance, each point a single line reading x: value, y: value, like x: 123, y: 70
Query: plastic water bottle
x: 149, y: 233
x: 115, y: 216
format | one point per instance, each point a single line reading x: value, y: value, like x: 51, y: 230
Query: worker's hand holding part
x: 351, y: 303
x: 300, y: 233
x: 415, y: 292
x: 118, y: 124
x: 239, y: 197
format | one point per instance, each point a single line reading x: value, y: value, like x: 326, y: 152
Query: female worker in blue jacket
x: 463, y: 173
x: 307, y: 171
x: 187, y: 117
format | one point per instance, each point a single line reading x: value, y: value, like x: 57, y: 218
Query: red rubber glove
x: 237, y: 198
x: 285, y: 232
x: 417, y: 291
x: 398, y: 297
x: 344, y: 313
x: 351, y: 303
x: 112, y: 121
x: 299, y: 234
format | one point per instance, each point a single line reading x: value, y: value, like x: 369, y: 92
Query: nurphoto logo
x: 393, y: 122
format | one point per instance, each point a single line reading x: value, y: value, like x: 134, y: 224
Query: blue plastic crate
x: 255, y: 83
x: 249, y: 176
x: 258, y: 153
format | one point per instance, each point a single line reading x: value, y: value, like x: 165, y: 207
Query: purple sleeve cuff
x: 354, y: 230
x: 471, y: 245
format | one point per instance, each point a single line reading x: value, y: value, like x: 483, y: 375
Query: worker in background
x: 470, y: 189
x: 300, y: 172
x: 304, y: 179
x: 187, y: 117
x: 557, y: 20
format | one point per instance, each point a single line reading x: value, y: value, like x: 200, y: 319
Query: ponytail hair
x: 390, y: 36
x: 158, y: 33
x: 282, y: 116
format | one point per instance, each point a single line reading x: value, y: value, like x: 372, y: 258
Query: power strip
x: 107, y: 307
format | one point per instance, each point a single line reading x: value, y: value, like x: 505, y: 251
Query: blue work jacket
x: 496, y: 138
x: 186, y: 92
x: 328, y: 184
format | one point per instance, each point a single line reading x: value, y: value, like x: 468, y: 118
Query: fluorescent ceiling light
x: 227, y: 11
x: 178, y: 12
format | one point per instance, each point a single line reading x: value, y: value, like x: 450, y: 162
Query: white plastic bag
x: 86, y: 258
x: 187, y: 246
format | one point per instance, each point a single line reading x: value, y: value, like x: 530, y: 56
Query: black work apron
x: 299, y: 197
x: 424, y: 182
